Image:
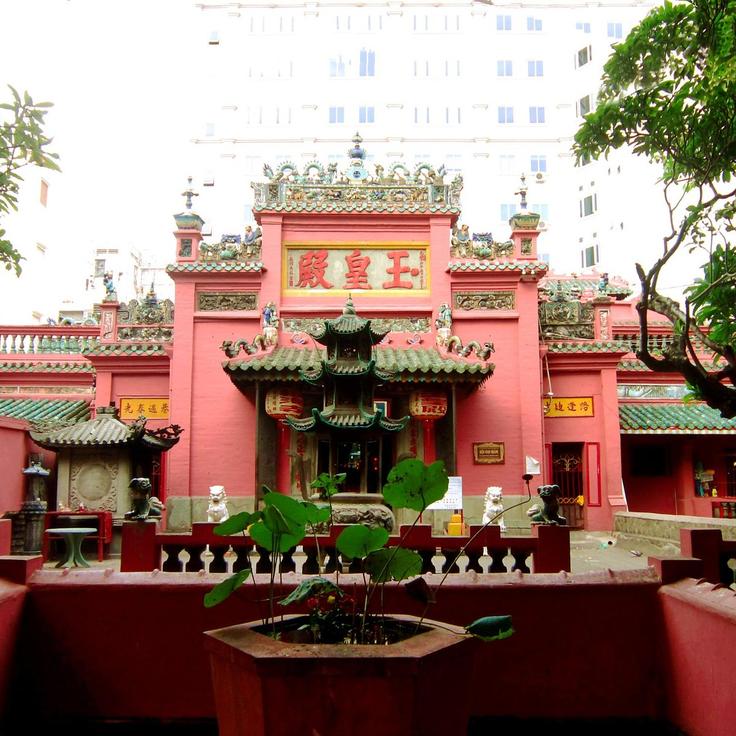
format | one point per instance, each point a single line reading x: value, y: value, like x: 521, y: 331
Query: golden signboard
x: 371, y: 269
x: 156, y: 407
x: 568, y: 406
x: 488, y: 453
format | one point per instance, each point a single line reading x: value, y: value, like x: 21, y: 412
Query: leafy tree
x: 22, y: 142
x: 669, y: 92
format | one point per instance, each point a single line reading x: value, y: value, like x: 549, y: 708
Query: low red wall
x: 699, y: 633
x: 132, y: 642
x: 11, y: 610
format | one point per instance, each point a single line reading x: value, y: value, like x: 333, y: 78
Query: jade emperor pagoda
x: 356, y: 322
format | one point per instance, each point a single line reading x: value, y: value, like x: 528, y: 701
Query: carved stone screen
x: 226, y: 301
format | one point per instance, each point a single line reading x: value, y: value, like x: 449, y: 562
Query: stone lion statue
x: 217, y: 509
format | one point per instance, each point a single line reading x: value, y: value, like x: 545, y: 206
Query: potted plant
x: 345, y: 666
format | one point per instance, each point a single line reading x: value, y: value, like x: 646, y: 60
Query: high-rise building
x: 490, y: 91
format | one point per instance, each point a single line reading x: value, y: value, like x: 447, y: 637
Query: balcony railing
x: 146, y: 548
x: 47, y: 339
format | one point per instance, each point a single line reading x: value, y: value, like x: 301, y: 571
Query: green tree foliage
x: 669, y: 92
x: 22, y: 142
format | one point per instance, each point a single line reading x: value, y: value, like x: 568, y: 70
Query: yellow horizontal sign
x: 569, y: 406
x: 155, y: 407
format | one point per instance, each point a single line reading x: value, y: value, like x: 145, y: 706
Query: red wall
x: 105, y: 634
x: 11, y: 608
x: 699, y: 622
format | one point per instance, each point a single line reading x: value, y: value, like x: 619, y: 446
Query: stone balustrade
x: 47, y: 339
x: 145, y: 548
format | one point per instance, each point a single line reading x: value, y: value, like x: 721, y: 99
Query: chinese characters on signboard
x: 142, y: 406
x: 488, y: 453
x: 397, y: 268
x: 569, y: 406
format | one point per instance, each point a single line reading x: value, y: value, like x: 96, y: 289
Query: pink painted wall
x: 699, y: 622
x: 619, y: 669
x: 602, y: 427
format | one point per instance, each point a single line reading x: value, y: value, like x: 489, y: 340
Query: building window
x: 536, y: 114
x: 588, y: 205
x: 452, y: 115
x: 214, y: 39
x: 43, y: 195
x: 505, y: 114
x: 535, y: 68
x: 503, y: 22
x: 541, y: 209
x: 337, y: 66
x: 367, y: 63
x: 584, y: 159
x: 584, y: 55
x: 507, y: 210
x: 507, y: 163
x: 589, y: 256
x: 615, y: 30
x: 99, y: 267
x: 538, y: 163
x: 342, y: 24
x: 583, y: 106
x: 366, y: 114
x: 582, y: 26
x: 421, y: 22
x: 421, y: 114
x: 533, y: 24
x: 337, y: 114
x: 504, y: 68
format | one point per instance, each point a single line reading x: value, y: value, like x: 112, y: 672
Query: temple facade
x: 358, y: 321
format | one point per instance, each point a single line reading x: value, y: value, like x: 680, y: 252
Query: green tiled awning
x: 419, y: 365
x: 44, y: 410
x: 662, y: 418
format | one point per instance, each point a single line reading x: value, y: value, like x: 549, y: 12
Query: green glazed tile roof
x: 638, y: 365
x: 664, y: 418
x: 43, y: 410
x: 215, y: 267
x: 592, y: 346
x: 527, y: 267
x: 104, y: 429
x: 46, y: 367
x: 421, y: 207
x: 410, y: 364
x: 117, y: 348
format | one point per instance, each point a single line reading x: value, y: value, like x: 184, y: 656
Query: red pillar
x: 428, y: 429
x: 283, y: 461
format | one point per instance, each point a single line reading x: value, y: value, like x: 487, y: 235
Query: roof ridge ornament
x: 189, y: 193
x: 522, y: 191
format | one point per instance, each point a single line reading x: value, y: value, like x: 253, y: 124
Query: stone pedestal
x: 362, y: 508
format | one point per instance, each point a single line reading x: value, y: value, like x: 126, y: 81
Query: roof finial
x: 189, y: 193
x: 349, y: 307
x: 356, y: 152
x: 522, y: 191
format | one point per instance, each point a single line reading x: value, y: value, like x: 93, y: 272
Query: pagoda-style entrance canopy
x: 352, y: 411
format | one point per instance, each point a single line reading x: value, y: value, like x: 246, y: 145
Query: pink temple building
x: 487, y: 361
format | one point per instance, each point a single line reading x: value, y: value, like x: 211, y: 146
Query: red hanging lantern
x: 427, y: 405
x: 282, y: 403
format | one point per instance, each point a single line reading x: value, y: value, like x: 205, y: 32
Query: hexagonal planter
x: 415, y: 687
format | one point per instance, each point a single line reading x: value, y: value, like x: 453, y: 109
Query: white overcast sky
x: 117, y: 75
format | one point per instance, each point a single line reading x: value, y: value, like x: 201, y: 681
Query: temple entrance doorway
x: 365, y: 461
x: 567, y: 473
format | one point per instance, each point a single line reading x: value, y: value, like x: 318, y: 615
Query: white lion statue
x: 217, y: 510
x: 493, y: 506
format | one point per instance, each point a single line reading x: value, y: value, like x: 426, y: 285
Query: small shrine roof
x: 405, y: 364
x: 354, y: 420
x: 569, y: 284
x: 216, y: 267
x: 670, y: 418
x: 348, y: 323
x: 104, y: 430
x: 43, y: 410
x: 534, y: 268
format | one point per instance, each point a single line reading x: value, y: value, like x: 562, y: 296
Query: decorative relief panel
x: 395, y: 324
x: 491, y: 300
x: 227, y: 301
x: 573, y: 319
x: 93, y: 481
